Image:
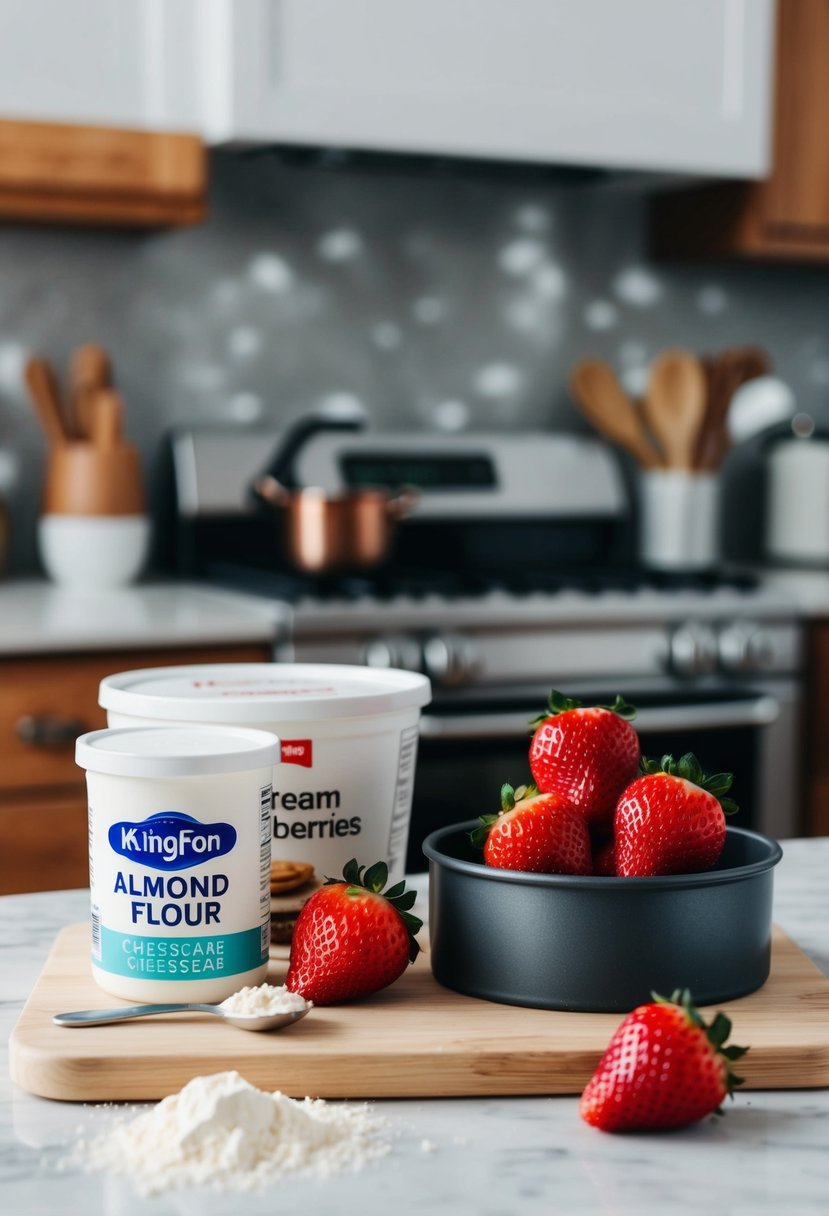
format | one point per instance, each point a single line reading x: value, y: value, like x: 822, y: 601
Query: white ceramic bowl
x: 93, y: 550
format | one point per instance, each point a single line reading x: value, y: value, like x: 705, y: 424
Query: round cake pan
x: 562, y: 941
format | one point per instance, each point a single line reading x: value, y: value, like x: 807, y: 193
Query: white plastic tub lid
x: 176, y: 751
x: 262, y: 692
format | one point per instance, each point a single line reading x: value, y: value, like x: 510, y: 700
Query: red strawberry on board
x: 350, y: 939
x: 672, y: 819
x: 541, y: 833
x: 586, y: 754
x: 664, y: 1067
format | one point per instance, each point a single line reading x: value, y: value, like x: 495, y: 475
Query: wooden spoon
x: 106, y: 413
x: 43, y: 389
x: 729, y: 371
x: 90, y: 369
x: 675, y: 405
x: 601, y: 398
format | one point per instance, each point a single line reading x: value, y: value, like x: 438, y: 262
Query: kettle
x: 797, y: 494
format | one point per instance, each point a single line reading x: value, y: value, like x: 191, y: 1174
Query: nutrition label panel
x: 399, y: 833
x: 265, y: 812
x: 95, y: 911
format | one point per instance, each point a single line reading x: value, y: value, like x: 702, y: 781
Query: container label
x: 298, y: 751
x: 170, y: 840
x: 180, y: 958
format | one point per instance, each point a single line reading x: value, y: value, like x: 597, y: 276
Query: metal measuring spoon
x: 103, y: 1017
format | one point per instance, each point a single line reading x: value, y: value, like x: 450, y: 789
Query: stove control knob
x: 745, y: 648
x: 450, y: 659
x: 392, y: 651
x: 693, y: 649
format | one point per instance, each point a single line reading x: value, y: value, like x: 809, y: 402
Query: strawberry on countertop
x: 665, y: 1067
x: 587, y: 754
x: 672, y: 819
x: 351, y: 939
x: 541, y: 833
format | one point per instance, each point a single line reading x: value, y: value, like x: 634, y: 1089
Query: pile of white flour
x: 263, y: 1001
x: 219, y: 1131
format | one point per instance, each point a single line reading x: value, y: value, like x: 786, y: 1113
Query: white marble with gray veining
x: 37, y: 617
x: 492, y: 1156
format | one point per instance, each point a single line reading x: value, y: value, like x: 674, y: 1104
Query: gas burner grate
x: 451, y: 585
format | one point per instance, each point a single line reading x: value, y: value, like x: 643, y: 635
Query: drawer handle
x: 49, y: 730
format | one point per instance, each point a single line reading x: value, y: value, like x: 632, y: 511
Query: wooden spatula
x: 90, y: 369
x: 43, y: 390
x: 675, y: 405
x: 106, y: 414
x: 601, y: 398
x: 729, y: 371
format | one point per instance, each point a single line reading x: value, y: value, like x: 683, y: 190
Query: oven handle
x: 762, y: 710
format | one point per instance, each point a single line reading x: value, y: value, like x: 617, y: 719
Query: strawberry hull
x: 599, y: 944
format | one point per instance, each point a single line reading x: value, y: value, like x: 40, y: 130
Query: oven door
x: 468, y: 750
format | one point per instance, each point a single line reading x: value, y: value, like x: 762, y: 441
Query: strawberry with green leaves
x: 351, y: 939
x: 586, y: 754
x: 540, y: 833
x: 671, y: 820
x: 665, y: 1067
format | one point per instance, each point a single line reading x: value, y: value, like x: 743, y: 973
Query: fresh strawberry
x: 588, y: 755
x: 664, y: 1067
x: 672, y: 819
x: 542, y: 833
x: 350, y: 940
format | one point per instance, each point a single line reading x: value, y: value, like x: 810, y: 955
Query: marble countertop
x: 490, y: 1157
x: 807, y: 589
x: 38, y: 618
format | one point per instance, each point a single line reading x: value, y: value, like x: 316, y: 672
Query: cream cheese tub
x: 179, y: 859
x: 349, y: 745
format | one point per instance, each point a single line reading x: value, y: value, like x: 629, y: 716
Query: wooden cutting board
x: 416, y: 1039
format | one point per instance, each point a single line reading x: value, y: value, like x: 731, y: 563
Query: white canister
x: 349, y: 745
x: 179, y: 859
x: 797, y: 510
x: 680, y: 519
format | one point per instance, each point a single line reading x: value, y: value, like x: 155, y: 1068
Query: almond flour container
x: 349, y: 745
x: 179, y: 859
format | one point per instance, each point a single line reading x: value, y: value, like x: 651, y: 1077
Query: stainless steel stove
x: 513, y: 575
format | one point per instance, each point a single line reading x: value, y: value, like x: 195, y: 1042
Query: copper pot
x: 321, y: 532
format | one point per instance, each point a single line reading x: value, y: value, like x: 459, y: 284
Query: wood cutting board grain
x: 416, y: 1039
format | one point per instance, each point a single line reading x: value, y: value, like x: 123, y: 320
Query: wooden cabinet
x: 55, y: 173
x: 89, y: 133
x: 786, y: 216
x: 45, y: 702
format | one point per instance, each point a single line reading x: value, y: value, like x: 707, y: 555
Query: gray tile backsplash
x: 438, y: 303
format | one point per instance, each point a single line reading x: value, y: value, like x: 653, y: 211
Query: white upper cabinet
x: 662, y: 85
x: 665, y: 85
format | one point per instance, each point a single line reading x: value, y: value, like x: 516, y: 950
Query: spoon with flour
x: 263, y: 1008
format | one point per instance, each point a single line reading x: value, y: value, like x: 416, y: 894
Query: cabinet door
x: 44, y: 841
x: 116, y: 63
x: 796, y: 197
x: 649, y: 84
x: 46, y: 702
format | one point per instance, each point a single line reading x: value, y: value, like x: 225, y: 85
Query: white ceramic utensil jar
x: 349, y: 744
x: 179, y: 859
x: 679, y: 523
